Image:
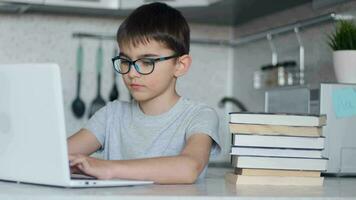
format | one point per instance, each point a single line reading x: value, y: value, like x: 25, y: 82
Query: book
x: 275, y: 172
x: 277, y: 119
x: 264, y: 162
x: 305, y: 131
x: 276, y: 152
x: 273, y: 180
x: 278, y: 141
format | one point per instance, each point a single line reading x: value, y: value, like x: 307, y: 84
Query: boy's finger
x: 75, y: 170
x: 86, y: 169
x: 76, y: 161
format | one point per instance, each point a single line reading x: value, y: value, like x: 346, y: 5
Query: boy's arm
x: 83, y: 142
x: 182, y: 169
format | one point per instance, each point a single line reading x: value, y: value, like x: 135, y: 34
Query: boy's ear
x: 183, y: 65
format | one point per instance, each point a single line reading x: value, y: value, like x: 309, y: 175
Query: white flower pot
x: 345, y: 66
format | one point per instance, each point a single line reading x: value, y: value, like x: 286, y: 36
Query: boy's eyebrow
x: 140, y: 56
x: 123, y: 54
x: 148, y: 55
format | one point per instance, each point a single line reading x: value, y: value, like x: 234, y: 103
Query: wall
x: 318, y: 56
x: 48, y: 38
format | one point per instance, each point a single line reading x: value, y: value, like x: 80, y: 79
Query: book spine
x: 287, y: 163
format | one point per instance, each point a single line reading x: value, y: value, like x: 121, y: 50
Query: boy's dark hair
x: 159, y: 22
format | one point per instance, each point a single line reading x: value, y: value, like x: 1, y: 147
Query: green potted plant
x: 343, y: 43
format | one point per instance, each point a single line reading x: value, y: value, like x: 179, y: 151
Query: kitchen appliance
x: 338, y: 102
x: 293, y: 99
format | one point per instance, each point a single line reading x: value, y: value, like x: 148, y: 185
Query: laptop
x: 33, y: 141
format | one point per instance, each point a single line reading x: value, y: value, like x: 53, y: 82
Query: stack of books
x: 277, y: 149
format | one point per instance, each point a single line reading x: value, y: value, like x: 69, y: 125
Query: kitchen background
x: 217, y: 70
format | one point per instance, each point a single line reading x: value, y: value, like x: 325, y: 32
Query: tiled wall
x: 48, y: 38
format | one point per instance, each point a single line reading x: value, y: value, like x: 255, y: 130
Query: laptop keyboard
x: 81, y: 177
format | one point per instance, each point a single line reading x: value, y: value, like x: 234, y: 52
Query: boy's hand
x: 91, y: 166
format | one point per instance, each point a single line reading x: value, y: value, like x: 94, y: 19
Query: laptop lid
x: 32, y: 129
x: 33, y: 145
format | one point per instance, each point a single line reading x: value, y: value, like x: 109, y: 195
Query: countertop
x: 213, y: 187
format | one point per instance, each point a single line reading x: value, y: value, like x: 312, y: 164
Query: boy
x: 159, y: 136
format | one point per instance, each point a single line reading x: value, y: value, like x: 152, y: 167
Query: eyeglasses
x: 143, y: 66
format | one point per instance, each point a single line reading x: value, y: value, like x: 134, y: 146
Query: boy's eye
x: 125, y: 62
x: 146, y: 62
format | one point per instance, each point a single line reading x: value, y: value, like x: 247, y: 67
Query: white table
x: 213, y: 187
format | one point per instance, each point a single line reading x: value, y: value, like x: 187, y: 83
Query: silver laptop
x: 33, y: 145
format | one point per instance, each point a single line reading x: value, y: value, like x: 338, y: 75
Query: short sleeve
x: 97, y: 124
x: 206, y: 121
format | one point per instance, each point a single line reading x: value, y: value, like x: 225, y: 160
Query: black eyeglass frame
x: 133, y: 63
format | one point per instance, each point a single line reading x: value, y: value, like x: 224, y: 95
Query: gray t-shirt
x: 125, y: 132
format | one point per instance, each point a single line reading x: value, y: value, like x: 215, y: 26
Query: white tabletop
x: 213, y: 187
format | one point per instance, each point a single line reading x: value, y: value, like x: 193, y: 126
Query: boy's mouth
x: 136, y: 86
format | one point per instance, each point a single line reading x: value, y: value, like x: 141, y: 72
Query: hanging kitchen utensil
x: 273, y: 49
x: 98, y: 102
x: 78, y: 106
x: 267, y: 76
x: 114, y: 94
x: 301, y: 57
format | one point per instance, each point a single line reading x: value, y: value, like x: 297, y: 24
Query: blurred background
x: 234, y: 43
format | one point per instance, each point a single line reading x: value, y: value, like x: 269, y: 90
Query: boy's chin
x: 140, y: 97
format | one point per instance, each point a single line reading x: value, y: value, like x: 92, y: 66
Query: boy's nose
x: 133, y: 72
